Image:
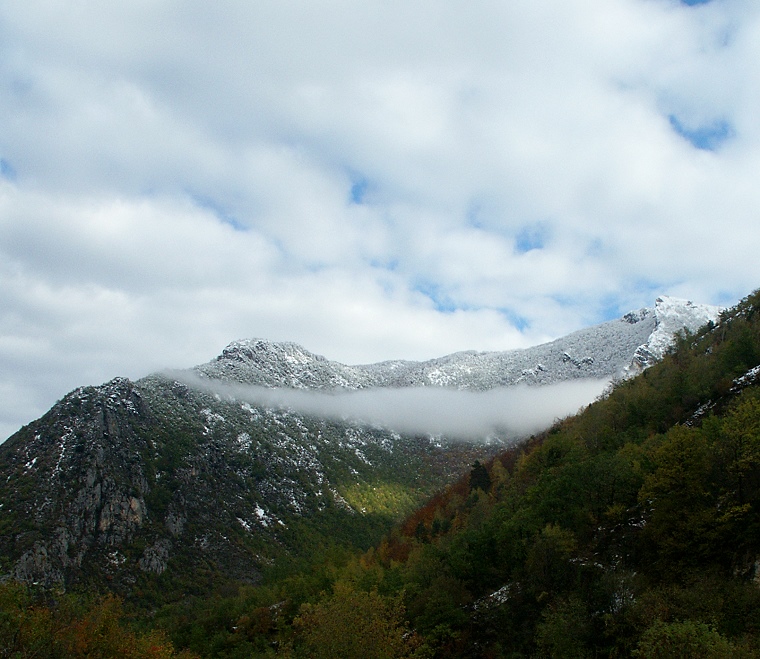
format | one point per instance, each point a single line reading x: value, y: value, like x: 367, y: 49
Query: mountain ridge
x: 616, y: 348
x: 151, y: 482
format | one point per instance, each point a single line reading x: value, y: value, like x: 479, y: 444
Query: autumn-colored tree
x: 353, y: 624
x: 71, y: 628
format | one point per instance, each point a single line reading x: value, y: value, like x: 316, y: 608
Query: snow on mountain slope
x: 672, y: 316
x: 617, y: 348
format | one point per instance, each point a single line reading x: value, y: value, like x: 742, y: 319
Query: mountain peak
x: 262, y: 349
x: 673, y: 315
x: 278, y: 364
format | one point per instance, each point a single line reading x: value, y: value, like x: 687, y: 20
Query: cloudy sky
x: 374, y: 180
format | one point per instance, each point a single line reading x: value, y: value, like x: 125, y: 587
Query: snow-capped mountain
x: 131, y: 481
x: 671, y: 317
x: 617, y: 348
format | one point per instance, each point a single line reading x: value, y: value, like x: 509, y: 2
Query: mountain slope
x: 632, y: 529
x: 156, y: 487
x: 133, y: 479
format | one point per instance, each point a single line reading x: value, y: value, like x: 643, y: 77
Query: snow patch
x: 212, y: 419
x: 264, y: 518
x: 243, y: 442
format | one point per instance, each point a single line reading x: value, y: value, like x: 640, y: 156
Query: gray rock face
x: 83, y: 453
x: 155, y: 557
x: 139, y: 479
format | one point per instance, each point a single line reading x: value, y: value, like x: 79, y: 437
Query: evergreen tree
x: 479, y: 478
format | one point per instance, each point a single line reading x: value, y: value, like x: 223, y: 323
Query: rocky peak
x: 672, y: 315
x: 284, y: 364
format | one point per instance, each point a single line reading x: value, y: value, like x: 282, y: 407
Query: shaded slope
x: 128, y: 482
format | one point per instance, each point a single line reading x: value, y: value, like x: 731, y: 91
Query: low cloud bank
x: 511, y: 411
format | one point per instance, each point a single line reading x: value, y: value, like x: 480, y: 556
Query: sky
x: 373, y: 180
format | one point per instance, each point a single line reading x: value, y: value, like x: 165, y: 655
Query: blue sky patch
x: 691, y: 3
x: 7, y: 171
x: 521, y: 323
x: 440, y: 298
x: 531, y: 237
x: 360, y: 188
x: 391, y: 265
x: 611, y: 309
x: 707, y: 137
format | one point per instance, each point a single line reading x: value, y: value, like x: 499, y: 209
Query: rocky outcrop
x: 155, y: 557
x: 136, y: 480
x: 78, y: 474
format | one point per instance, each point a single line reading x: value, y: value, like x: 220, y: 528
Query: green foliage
x: 685, y: 640
x: 71, y: 627
x: 563, y: 630
x: 380, y: 497
x: 353, y: 624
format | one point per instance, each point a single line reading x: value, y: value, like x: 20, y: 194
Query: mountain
x: 613, y: 349
x: 629, y: 530
x: 159, y: 489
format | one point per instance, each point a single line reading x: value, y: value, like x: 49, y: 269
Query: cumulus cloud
x: 507, y: 412
x: 393, y: 180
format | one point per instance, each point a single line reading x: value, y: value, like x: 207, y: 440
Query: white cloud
x: 509, y: 412
x: 175, y: 177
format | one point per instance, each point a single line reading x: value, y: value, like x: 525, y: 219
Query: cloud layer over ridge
x: 508, y: 412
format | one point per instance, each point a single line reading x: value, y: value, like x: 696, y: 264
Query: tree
x: 740, y: 449
x: 479, y: 478
x: 353, y: 624
x: 72, y: 628
x: 685, y: 640
x: 563, y: 630
x: 680, y: 498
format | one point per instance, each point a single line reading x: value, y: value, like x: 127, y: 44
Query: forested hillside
x: 632, y: 529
